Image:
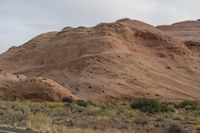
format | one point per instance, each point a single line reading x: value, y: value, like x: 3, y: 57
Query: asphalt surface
x: 13, y: 130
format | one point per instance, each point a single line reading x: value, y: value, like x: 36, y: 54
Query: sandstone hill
x: 37, y: 88
x: 109, y: 62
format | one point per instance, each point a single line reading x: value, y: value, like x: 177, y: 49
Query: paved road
x: 12, y: 130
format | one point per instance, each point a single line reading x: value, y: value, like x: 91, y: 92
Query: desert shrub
x: 39, y: 122
x: 91, y: 103
x: 93, y: 110
x: 130, y: 113
x: 150, y: 105
x: 82, y: 103
x: 174, y: 127
x: 110, y: 110
x: 14, y: 117
x: 198, y: 127
x: 188, y: 105
x: 67, y: 100
x: 177, y: 116
x: 63, y: 129
x: 17, y: 114
x: 18, y: 106
x: 101, y: 118
x: 141, y: 119
x: 53, y: 105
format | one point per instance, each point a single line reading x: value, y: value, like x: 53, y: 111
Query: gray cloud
x: 23, y: 19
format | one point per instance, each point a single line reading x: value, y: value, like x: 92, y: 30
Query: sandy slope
x: 111, y: 61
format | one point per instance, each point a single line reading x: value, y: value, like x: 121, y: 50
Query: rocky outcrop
x: 36, y: 88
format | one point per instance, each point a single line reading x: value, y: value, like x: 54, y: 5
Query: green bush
x: 188, y: 105
x: 150, y: 105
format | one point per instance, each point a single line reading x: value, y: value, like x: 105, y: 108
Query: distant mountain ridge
x: 186, y: 30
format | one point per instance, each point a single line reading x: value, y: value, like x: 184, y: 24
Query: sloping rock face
x: 111, y: 62
x: 36, y: 89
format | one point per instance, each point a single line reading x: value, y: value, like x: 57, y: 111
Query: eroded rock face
x: 193, y: 45
x: 36, y: 88
x: 116, y: 61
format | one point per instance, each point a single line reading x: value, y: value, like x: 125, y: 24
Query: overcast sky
x: 20, y: 20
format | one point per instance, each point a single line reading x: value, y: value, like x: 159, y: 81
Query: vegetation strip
x: 141, y: 115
